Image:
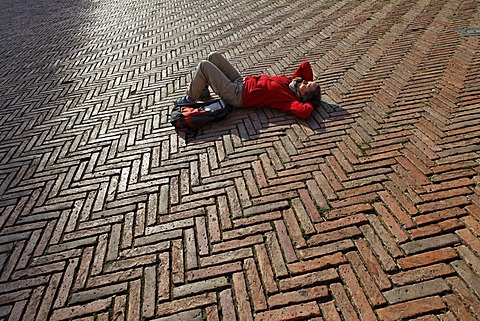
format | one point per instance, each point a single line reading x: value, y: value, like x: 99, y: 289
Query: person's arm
x: 304, y: 71
x: 299, y: 109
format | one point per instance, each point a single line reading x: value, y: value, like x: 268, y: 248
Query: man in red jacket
x: 291, y: 95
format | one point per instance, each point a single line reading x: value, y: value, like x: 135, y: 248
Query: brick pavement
x: 368, y: 210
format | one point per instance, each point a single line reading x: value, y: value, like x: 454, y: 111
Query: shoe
x: 184, y: 101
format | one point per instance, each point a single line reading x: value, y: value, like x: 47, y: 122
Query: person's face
x: 306, y: 86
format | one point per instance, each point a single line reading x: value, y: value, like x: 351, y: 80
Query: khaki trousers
x: 218, y: 73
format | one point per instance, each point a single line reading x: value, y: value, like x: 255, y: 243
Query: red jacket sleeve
x: 301, y: 110
x: 304, y: 71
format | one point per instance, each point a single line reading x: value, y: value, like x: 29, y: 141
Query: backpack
x: 189, y: 117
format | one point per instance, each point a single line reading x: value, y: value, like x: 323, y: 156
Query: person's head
x: 308, y: 90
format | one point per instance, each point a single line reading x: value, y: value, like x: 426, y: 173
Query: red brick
x: 49, y: 295
x: 302, y: 216
x: 285, y: 242
x: 361, y: 190
x: 84, y: 309
x: 438, y: 228
x: 246, y: 231
x: 473, y: 224
x: 345, y: 233
x: 184, y: 304
x: 469, y: 257
x: 316, y: 264
x: 277, y: 197
x: 342, y: 302
x: 372, y: 264
x: 265, y: 268
x: 458, y: 308
x: 23, y: 283
x: 308, y: 279
x: 474, y: 210
x: 319, y: 199
x: 345, y: 157
x: 377, y: 246
x: 259, y: 174
x: 454, y: 164
x: 299, y: 296
x: 356, y: 219
x: 15, y: 311
x: 293, y: 312
x: 336, y: 167
x: 436, y: 196
x: 294, y: 229
x: 379, y: 156
x: 237, y: 243
x: 439, y: 216
x: 352, y: 204
x: 356, y: 293
x: 329, y: 311
x: 370, y: 177
x: 423, y: 147
x: 402, y: 196
x: 322, y: 250
x: 322, y: 181
x: 267, y: 167
x: 396, y: 210
x: 285, y: 181
x: 262, y: 180
x: 465, y: 294
x: 330, y: 177
x: 418, y: 176
x: 255, y: 285
x: 423, y: 259
x: 449, y: 185
x: 311, y: 207
x: 227, y: 305
x: 370, y: 288
x: 177, y: 262
x: 470, y: 239
x: 443, y: 204
x: 241, y: 296
x: 391, y: 223
x: 418, y: 159
x: 214, y: 271
x: 108, y: 279
x: 353, y: 149
x: 278, y: 263
x: 422, y: 274
x: 411, y: 308
x: 452, y: 175
x: 163, y: 279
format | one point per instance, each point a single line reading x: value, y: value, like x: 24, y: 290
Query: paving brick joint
x: 367, y: 210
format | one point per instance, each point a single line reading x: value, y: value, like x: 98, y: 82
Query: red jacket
x: 273, y: 91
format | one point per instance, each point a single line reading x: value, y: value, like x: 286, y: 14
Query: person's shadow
x: 248, y: 124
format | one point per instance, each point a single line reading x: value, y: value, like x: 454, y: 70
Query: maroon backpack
x: 188, y: 118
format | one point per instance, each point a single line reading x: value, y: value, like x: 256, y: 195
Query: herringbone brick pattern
x: 368, y: 210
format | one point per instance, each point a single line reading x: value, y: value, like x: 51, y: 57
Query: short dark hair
x: 314, y: 95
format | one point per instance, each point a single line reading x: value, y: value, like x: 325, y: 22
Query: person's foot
x: 185, y: 100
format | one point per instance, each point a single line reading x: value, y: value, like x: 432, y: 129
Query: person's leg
x: 209, y: 74
x: 224, y: 65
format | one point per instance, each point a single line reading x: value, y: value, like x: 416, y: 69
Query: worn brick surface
x: 367, y: 210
